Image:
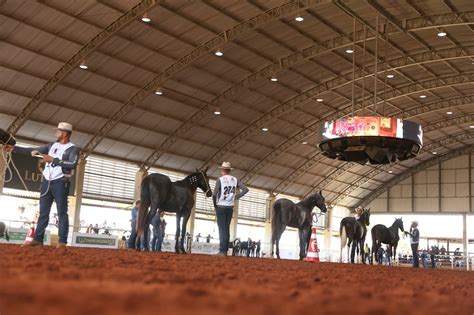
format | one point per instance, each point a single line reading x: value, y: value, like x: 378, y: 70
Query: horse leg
x: 353, y: 251
x: 301, y: 237
x: 178, y: 229
x: 183, y: 232
x: 279, y: 233
x: 349, y: 243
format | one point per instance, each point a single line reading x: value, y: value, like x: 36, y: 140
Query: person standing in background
x: 133, y: 222
x: 223, y: 197
x: 414, y: 241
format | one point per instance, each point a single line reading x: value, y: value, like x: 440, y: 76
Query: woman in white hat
x: 224, y: 196
x: 61, y: 159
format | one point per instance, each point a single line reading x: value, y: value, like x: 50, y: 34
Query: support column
x: 192, y: 218
x: 3, y: 167
x: 464, y: 239
x: 138, y: 183
x: 235, y: 221
x: 267, y: 246
x: 76, y: 200
x: 328, y: 232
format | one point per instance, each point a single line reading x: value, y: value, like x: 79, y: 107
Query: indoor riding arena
x: 236, y: 157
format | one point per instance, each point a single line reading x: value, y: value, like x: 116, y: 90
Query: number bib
x: 228, y: 188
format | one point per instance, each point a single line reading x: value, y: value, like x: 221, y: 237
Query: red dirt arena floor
x: 102, y: 282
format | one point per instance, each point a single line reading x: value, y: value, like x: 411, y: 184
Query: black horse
x: 287, y: 213
x: 382, y: 234
x: 4, y: 231
x: 355, y: 230
x: 158, y: 192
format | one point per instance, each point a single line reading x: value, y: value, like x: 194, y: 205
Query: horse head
x: 317, y: 199
x: 203, y: 181
x: 366, y: 216
x: 399, y: 224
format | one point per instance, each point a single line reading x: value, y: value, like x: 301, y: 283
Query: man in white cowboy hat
x: 414, y: 241
x: 61, y: 159
x: 224, y: 196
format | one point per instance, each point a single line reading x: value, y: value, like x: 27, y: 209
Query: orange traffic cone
x: 30, y: 235
x: 313, y: 250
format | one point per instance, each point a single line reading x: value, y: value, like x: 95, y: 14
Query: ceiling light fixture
x: 219, y: 53
x: 423, y: 96
x: 217, y: 111
x: 83, y: 65
x: 159, y: 91
x: 265, y: 129
x: 299, y: 18
x: 449, y: 113
x: 349, y: 51
x: 471, y: 126
x: 304, y: 142
x: 145, y: 18
x: 390, y: 172
x: 274, y: 79
x: 319, y: 100
x: 442, y: 34
x: 435, y: 152
x: 390, y: 76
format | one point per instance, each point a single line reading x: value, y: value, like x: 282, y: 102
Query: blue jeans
x: 414, y: 250
x: 224, y: 217
x: 58, y: 191
x: 157, y: 240
x: 133, y: 235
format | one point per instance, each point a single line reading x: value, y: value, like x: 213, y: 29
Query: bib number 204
x: 229, y: 190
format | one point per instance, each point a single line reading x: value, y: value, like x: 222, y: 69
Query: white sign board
x: 94, y: 240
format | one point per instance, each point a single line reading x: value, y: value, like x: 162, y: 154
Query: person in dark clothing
x: 198, y: 236
x: 380, y: 253
x: 414, y: 240
x: 208, y: 238
x: 223, y: 197
x: 96, y: 229
x: 61, y: 159
x: 388, y: 254
x: 424, y: 256
x: 432, y: 257
x: 133, y: 223
x: 158, y: 223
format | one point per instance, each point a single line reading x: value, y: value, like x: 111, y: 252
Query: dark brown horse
x: 296, y: 215
x: 355, y: 230
x: 159, y: 192
x: 383, y: 235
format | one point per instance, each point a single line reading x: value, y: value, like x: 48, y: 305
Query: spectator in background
x: 380, y: 253
x: 258, y: 249
x: 388, y: 254
x: 424, y: 256
x: 366, y: 254
x: 89, y: 229
x: 158, y: 222
x: 133, y: 222
x: 208, y: 238
x: 443, y: 250
x: 432, y: 257
x: 198, y: 237
x: 96, y: 229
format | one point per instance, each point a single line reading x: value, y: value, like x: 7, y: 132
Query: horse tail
x: 276, y: 219
x: 343, y: 233
x: 145, y: 202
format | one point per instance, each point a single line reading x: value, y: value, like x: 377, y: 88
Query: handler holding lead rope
x: 223, y: 197
x: 61, y: 159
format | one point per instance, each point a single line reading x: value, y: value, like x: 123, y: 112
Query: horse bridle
x: 204, y: 178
